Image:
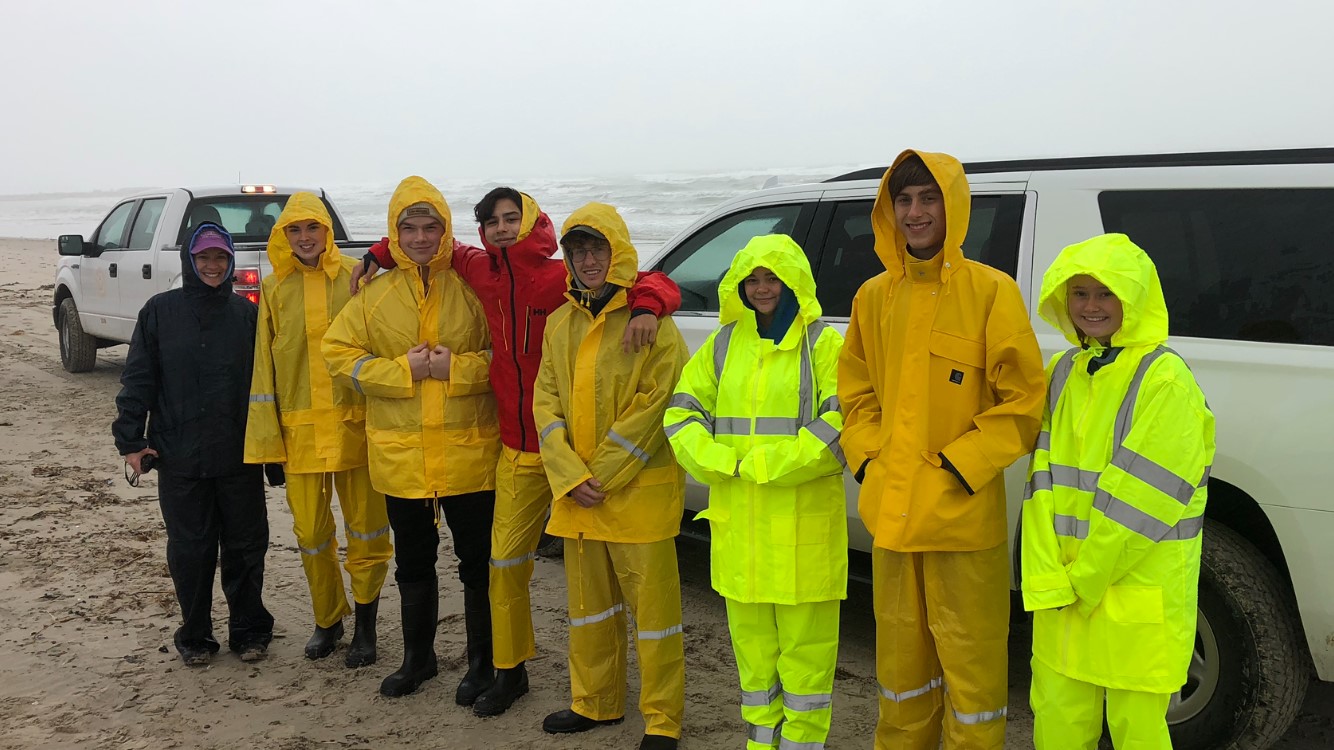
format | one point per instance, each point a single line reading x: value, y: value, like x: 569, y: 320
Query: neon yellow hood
x: 624, y: 258
x: 410, y: 191
x: 302, y: 207
x: 892, y: 246
x: 1126, y: 270
x: 780, y: 254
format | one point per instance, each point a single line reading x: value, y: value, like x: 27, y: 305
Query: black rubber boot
x: 477, y: 616
x: 510, y: 685
x: 421, y: 610
x: 324, y: 641
x: 362, y: 651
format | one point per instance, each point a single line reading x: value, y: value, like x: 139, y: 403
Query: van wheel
x: 78, y: 350
x: 1250, y: 670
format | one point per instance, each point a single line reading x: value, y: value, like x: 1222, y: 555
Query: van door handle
x: 112, y: 269
x: 148, y: 270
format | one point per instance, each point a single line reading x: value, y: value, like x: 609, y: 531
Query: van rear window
x: 1249, y: 265
x: 248, y: 218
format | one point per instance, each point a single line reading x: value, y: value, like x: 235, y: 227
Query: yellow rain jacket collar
x: 410, y: 191
x: 892, y: 246
x: 302, y: 207
x: 624, y: 258
x: 1126, y: 270
x: 782, y: 255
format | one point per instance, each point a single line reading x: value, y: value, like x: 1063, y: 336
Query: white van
x: 1244, y: 244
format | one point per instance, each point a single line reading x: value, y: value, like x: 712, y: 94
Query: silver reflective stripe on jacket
x: 356, y: 372
x: 261, y: 398
x: 629, y: 447
x: 559, y: 424
x: 720, y: 344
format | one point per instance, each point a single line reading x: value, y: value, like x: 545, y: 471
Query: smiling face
x: 763, y: 290
x: 307, y: 239
x: 590, y: 258
x: 212, y: 266
x: 420, y: 236
x: 919, y: 211
x: 502, y: 227
x: 1094, y: 309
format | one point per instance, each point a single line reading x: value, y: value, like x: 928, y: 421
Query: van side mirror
x: 70, y: 244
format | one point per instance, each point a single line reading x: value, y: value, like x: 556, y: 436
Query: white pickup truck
x: 1242, y: 244
x: 134, y: 253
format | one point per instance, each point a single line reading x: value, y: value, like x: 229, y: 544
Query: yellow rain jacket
x: 759, y: 423
x: 599, y: 410
x: 940, y: 365
x: 431, y: 437
x: 322, y: 427
x: 1114, y: 508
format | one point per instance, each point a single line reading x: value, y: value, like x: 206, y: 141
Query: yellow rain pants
x: 786, y: 654
x: 942, y: 622
x: 1067, y: 714
x: 605, y: 583
x: 368, y: 545
x: 523, y: 497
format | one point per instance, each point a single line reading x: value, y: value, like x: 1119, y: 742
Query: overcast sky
x: 97, y: 94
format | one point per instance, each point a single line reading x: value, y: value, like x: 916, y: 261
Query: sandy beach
x: 87, y: 609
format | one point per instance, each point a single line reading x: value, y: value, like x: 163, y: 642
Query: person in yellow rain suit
x: 618, y: 492
x: 755, y: 417
x: 1113, y: 512
x: 317, y: 430
x: 941, y: 387
x: 414, y: 342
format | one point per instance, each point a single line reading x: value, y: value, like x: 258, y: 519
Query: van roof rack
x: 1197, y: 159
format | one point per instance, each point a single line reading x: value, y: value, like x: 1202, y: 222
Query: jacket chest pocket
x: 534, y: 323
x: 957, y: 362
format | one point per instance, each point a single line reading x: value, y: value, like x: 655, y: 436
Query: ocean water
x: 655, y: 206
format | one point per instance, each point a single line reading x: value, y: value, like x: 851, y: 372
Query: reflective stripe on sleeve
x: 1144, y: 524
x: 1154, y: 474
x: 673, y: 429
x: 629, y: 447
x: 1070, y: 526
x: 830, y: 404
x: 559, y: 424
x: 261, y: 398
x: 829, y: 436
x: 1044, y: 442
x: 1074, y: 478
x: 687, y: 401
x: 356, y: 372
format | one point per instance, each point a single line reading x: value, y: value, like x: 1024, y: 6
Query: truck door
x: 137, y: 270
x: 100, y: 270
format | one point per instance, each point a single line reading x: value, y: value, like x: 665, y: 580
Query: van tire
x: 78, y: 350
x: 1248, y: 614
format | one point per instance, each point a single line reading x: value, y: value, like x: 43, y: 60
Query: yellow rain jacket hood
x: 759, y: 422
x: 1114, y: 509
x: 940, y: 382
x: 430, y: 437
x: 298, y: 416
x: 599, y: 410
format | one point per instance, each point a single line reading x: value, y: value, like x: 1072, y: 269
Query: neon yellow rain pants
x: 942, y: 622
x: 523, y: 497
x: 1067, y: 714
x: 606, y: 581
x: 368, y: 545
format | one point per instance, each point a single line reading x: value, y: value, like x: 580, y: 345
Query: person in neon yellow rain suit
x: 755, y: 417
x: 317, y: 430
x: 1114, y: 508
x: 940, y: 383
x: 618, y: 491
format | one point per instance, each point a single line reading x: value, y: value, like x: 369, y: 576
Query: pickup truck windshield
x: 248, y: 218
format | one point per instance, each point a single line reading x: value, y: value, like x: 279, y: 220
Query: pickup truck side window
x: 848, y: 256
x: 1246, y: 264
x: 145, y: 223
x: 700, y: 262
x: 111, y: 235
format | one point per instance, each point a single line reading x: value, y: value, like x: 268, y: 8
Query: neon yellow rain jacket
x: 599, y: 410
x: 1114, y: 508
x: 759, y: 423
x: 298, y: 417
x: 940, y: 364
x: 431, y: 437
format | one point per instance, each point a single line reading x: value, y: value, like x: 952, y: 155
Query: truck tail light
x: 245, y: 282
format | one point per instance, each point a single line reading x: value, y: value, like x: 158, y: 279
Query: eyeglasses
x: 578, y: 254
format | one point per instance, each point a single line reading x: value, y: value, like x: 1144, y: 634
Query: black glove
x: 274, y: 473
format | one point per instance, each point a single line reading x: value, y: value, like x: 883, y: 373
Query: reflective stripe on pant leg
x: 808, y: 656
x: 907, y: 669
x: 597, y: 631
x: 308, y: 496
x: 968, y: 606
x: 369, y: 544
x: 1067, y: 713
x: 523, y: 496
x: 754, y: 631
x: 651, y: 584
x: 1138, y: 721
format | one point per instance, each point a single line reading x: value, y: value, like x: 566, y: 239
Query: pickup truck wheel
x: 78, y: 350
x: 1250, y: 670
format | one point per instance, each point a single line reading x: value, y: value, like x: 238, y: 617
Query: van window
x: 700, y: 263
x: 848, y: 257
x: 1249, y: 265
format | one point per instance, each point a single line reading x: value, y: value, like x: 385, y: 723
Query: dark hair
x: 910, y: 173
x: 486, y: 207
